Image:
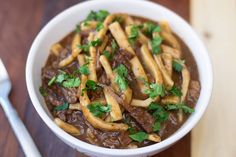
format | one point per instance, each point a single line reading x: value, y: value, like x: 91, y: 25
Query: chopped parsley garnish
x: 158, y: 112
x: 52, y: 81
x: 108, y: 55
x: 182, y: 106
x: 176, y: 91
x: 155, y: 43
x: 178, y: 64
x: 84, y: 69
x: 42, y: 91
x: 160, y: 115
x: 114, y: 46
x: 66, y: 80
x: 133, y: 34
x: 155, y: 90
x: 97, y: 16
x: 62, y: 107
x: 94, y: 43
x: 71, y: 82
x: 99, y: 26
x: 91, y: 85
x: 77, y: 30
x: 139, y: 136
x: 98, y: 109
x: 151, y: 28
x: 156, y: 127
x: 84, y: 47
x: 121, y: 77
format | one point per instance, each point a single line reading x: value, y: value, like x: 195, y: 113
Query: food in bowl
x: 120, y: 81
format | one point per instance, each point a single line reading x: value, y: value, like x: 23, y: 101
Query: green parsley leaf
x: 98, y: 109
x: 160, y: 115
x: 155, y: 43
x: 84, y: 69
x: 108, y: 55
x: 42, y: 91
x: 120, y: 79
x: 151, y: 28
x: 91, y: 16
x: 176, y: 91
x: 155, y: 90
x: 140, y: 136
x: 99, y: 26
x: 71, y: 82
x: 158, y: 112
x: 84, y: 47
x: 96, y: 42
x: 182, y: 106
x: 97, y: 16
x: 91, y: 85
x: 153, y: 106
x: 62, y: 107
x: 77, y: 30
x: 133, y: 35
x: 52, y: 81
x: 114, y: 46
x: 156, y: 127
x: 178, y: 64
x: 121, y: 70
x: 122, y: 82
x: 101, y: 15
x: 61, y: 77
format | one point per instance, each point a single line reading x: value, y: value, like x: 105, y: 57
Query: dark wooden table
x: 20, y: 21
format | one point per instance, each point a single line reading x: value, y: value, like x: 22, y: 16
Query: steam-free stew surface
x: 60, y: 95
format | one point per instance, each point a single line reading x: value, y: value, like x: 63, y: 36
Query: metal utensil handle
x: 20, y: 131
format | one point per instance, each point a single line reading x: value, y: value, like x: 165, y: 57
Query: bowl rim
x: 97, y: 149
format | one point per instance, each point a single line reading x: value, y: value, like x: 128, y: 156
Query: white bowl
x: 66, y: 21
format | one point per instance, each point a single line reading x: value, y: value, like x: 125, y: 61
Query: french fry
x: 92, y: 64
x: 170, y: 39
x: 166, y: 78
x: 115, y: 113
x: 69, y: 59
x: 139, y: 73
x: 74, y: 45
x: 56, y: 49
x: 88, y: 25
x: 168, y: 59
x: 67, y: 127
x: 154, y: 137
x: 120, y: 37
x: 151, y: 64
x: 174, y: 52
x: 142, y: 103
x: 100, y: 124
x: 170, y: 100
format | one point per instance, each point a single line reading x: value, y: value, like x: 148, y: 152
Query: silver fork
x: 17, y: 125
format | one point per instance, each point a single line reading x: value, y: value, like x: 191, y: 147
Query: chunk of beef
x: 193, y: 92
x: 124, y: 139
x: 70, y: 94
x: 139, y: 114
x: 123, y: 57
x: 48, y: 72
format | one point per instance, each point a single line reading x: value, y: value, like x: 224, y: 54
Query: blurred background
x: 213, y: 20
